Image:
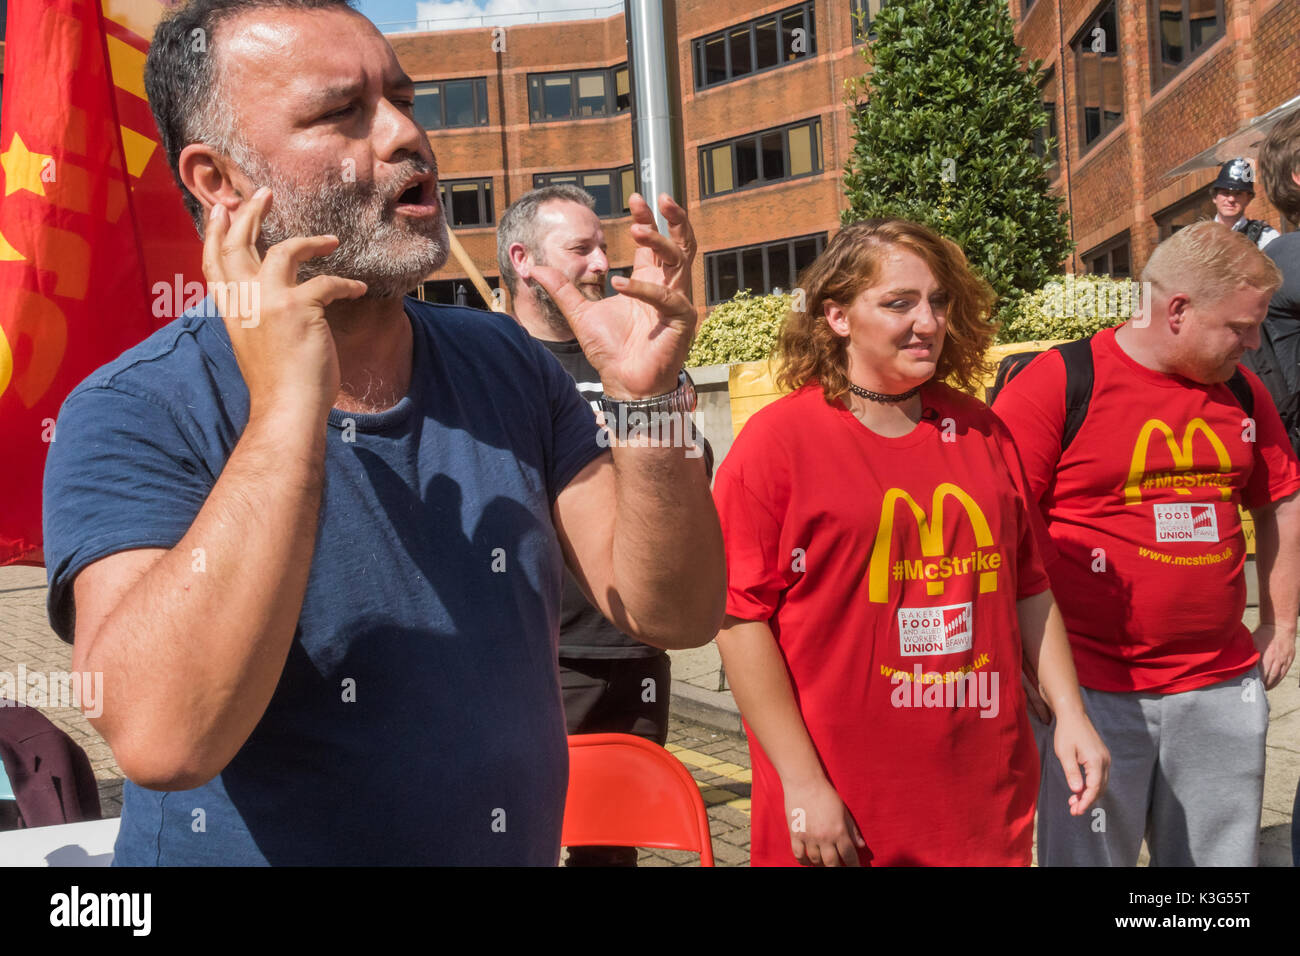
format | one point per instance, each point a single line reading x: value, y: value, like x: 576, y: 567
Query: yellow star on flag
x: 23, y: 167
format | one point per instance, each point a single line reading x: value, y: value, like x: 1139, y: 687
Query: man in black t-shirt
x: 1279, y: 173
x: 612, y: 683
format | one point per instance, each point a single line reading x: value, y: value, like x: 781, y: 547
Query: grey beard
x: 389, y: 257
x: 551, y: 313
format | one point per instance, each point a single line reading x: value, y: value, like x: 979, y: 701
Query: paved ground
x: 704, y: 732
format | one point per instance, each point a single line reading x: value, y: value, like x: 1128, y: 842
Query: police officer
x: 1232, y: 193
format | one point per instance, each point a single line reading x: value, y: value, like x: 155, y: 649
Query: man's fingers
x: 326, y: 289
x: 283, y: 259
x: 669, y: 253
x: 1094, y: 781
x: 246, y: 224
x: 1070, y: 764
x: 561, y: 290
x: 847, y: 851
x: 640, y: 210
x: 669, y: 303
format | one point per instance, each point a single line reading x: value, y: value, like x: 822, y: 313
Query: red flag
x: 90, y: 220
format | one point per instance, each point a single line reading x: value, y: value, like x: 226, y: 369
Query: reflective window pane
x: 601, y: 187
x: 773, y: 156
x: 720, y: 169
x: 464, y: 204
x: 801, y: 153
x: 728, y: 279
x: 768, y: 42
x: 622, y: 90
x: 489, y: 214
x: 795, y: 42
x: 628, y: 178
x: 778, y: 268
x: 746, y: 162
x: 1204, y: 22
x: 742, y: 62
x: 715, y: 60
x: 805, y: 252
x: 459, y: 95
x: 557, y: 97
x: 751, y: 268
x: 591, y: 94
x: 428, y: 106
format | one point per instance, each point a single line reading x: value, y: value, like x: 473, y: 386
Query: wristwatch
x: 682, y: 399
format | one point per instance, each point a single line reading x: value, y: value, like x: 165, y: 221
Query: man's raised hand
x: 277, y: 327
x: 637, y: 340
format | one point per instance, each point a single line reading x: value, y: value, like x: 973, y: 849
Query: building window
x: 468, y: 202
x: 765, y: 43
x: 579, y: 94
x: 1047, y: 132
x: 864, y: 15
x: 1024, y: 7
x: 1179, y: 30
x: 1109, y: 259
x: 455, y: 292
x: 787, y: 152
x: 611, y: 188
x: 1194, y: 208
x: 761, y: 269
x: 1100, y: 81
x: 451, y: 104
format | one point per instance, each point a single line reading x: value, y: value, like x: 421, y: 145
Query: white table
x: 69, y: 844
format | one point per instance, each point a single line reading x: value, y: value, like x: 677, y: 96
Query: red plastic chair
x: 627, y: 791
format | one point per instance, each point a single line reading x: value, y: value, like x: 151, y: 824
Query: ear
x: 1176, y: 313
x: 522, y: 260
x: 836, y: 317
x: 212, y: 177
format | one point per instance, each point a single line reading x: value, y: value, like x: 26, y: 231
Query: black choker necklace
x: 878, y: 397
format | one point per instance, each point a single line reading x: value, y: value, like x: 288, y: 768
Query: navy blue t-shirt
x: 418, y: 719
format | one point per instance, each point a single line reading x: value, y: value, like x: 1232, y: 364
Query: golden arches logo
x: 1182, y: 455
x: 878, y: 572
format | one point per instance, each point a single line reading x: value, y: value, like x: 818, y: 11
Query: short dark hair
x: 184, y: 89
x: 1279, y: 159
x: 519, y: 223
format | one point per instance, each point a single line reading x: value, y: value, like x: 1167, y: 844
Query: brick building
x: 1133, y: 88
x: 765, y: 131
x: 1137, y: 88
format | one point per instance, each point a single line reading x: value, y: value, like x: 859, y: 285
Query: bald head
x: 1208, y: 291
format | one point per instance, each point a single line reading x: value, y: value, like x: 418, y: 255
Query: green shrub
x: 1070, y: 307
x: 743, y: 329
x: 944, y: 129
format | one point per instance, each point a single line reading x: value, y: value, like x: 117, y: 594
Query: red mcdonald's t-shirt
x: 888, y: 570
x: 1142, y: 510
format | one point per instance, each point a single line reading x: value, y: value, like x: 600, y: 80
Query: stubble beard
x: 552, y: 314
x: 390, y: 254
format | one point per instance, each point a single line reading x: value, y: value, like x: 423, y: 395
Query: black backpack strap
x: 1242, y: 391
x: 1077, y: 356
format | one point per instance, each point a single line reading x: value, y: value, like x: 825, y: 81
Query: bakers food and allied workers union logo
x: 1189, y: 521
x: 935, y: 566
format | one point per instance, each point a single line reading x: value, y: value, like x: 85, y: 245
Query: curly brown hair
x: 809, y: 349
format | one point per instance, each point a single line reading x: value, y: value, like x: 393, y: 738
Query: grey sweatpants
x: 1187, y: 772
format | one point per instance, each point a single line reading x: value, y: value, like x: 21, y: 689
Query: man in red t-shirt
x: 1141, y: 506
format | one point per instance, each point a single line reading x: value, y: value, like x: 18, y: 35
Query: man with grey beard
x: 316, y: 547
x: 612, y: 683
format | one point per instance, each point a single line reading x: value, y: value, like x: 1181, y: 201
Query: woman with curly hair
x: 883, y: 571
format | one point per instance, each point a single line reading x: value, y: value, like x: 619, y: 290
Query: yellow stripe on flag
x: 127, y: 66
x: 138, y: 16
x: 138, y: 148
